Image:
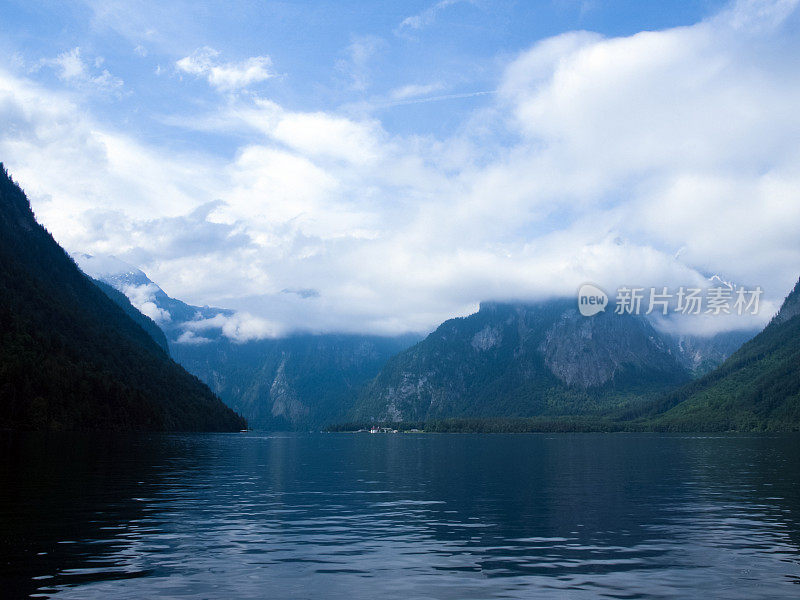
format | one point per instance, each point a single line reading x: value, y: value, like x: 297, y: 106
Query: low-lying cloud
x: 143, y: 297
x: 238, y: 327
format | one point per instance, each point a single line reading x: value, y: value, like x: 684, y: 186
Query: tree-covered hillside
x: 146, y: 323
x: 758, y: 387
x: 70, y: 358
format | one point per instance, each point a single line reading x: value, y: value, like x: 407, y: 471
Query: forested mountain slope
x: 758, y: 387
x: 70, y: 357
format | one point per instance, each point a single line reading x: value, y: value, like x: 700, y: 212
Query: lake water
x: 400, y: 516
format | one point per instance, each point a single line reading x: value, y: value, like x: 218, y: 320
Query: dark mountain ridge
x: 145, y: 322
x: 70, y: 357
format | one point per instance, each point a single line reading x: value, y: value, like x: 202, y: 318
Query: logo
x: 591, y: 300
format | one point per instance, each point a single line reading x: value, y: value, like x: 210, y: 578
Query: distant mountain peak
x: 172, y: 315
x: 718, y: 281
x: 103, y: 266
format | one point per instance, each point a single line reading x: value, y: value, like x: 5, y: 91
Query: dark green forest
x: 70, y: 357
x: 756, y: 389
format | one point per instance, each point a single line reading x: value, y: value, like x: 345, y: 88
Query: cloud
x: 655, y: 159
x: 158, y: 26
x: 72, y: 69
x: 759, y: 16
x: 226, y: 76
x: 191, y: 338
x: 320, y: 134
x: 415, y: 91
x: 436, y: 98
x: 143, y: 298
x: 239, y: 327
x: 303, y: 293
x: 356, y: 65
x: 429, y: 15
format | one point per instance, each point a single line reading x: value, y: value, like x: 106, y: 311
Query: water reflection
x: 429, y: 516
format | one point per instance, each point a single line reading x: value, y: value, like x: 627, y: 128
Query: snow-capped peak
x: 102, y: 266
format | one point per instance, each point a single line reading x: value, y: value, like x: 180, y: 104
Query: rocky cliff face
x: 700, y: 355
x: 589, y: 352
x: 532, y: 359
x: 300, y: 382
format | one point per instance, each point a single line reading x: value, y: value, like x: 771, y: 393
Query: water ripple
x: 342, y: 516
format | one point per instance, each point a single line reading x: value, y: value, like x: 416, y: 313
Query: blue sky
x: 407, y: 160
x: 347, y: 56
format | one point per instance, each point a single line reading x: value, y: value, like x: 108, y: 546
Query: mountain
x: 702, y: 354
x: 70, y: 357
x: 298, y: 382
x: 146, y: 323
x: 757, y: 387
x: 169, y: 314
x: 507, y: 360
x: 521, y: 360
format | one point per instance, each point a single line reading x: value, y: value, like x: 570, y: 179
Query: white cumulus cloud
x: 73, y: 69
x: 229, y: 76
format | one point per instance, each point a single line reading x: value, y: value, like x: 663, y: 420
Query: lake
x: 400, y: 516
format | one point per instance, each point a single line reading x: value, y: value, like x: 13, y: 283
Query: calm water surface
x: 400, y: 516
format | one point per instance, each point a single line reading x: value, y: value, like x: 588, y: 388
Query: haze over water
x: 400, y: 516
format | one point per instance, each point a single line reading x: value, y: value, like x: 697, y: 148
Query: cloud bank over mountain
x: 654, y: 159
